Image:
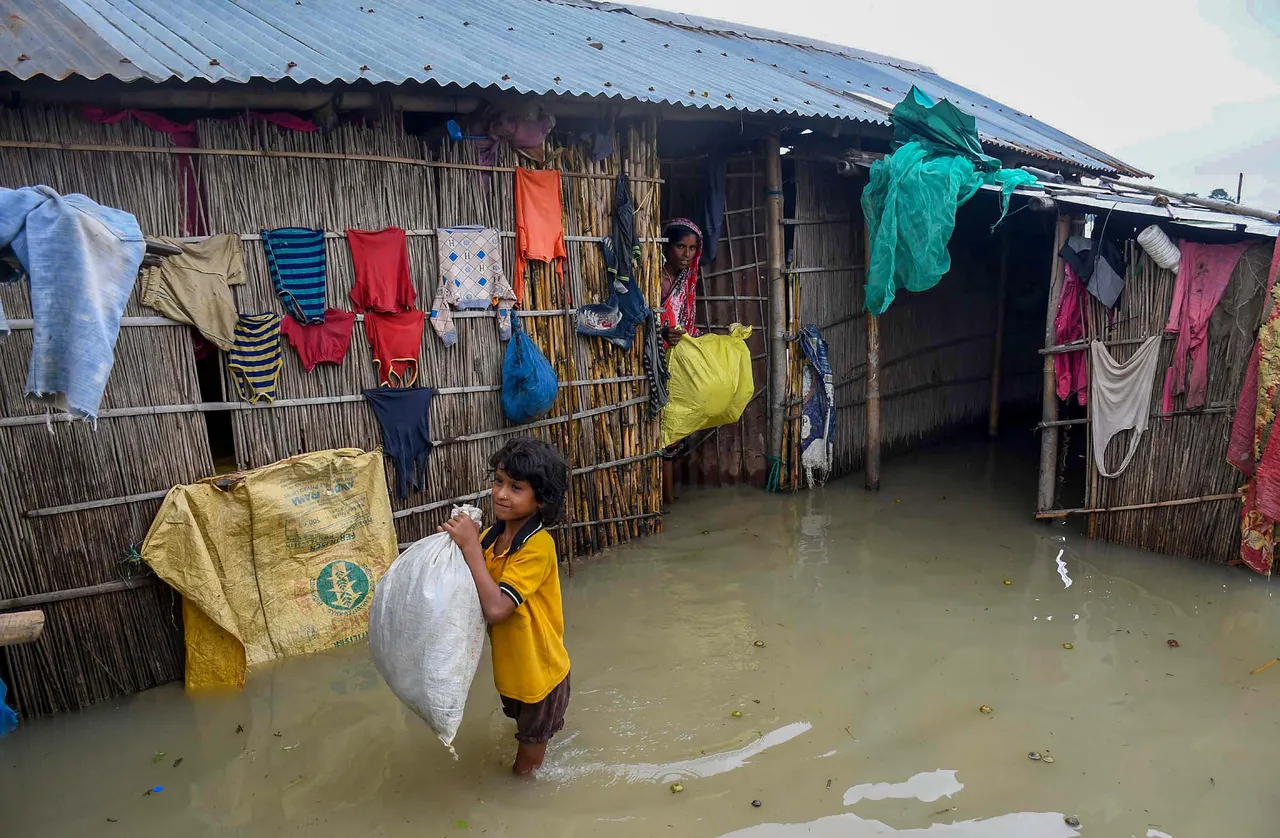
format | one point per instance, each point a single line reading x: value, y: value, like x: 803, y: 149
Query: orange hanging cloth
x: 539, y: 228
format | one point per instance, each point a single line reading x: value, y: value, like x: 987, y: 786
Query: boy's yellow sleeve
x: 528, y: 569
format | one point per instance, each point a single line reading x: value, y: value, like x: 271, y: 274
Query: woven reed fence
x: 733, y: 289
x: 100, y: 645
x: 936, y: 348
x: 1182, y: 456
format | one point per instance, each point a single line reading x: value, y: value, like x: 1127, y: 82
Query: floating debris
x: 676, y: 788
x: 828, y: 784
x: 1173, y: 644
x: 1047, y: 758
x: 986, y: 709
x: 1071, y: 821
x: 1008, y: 581
x: 1068, y: 646
x: 277, y: 734
x: 1034, y: 755
x: 156, y: 759
x: 756, y: 803
x: 290, y: 747
x: 737, y: 714
x: 177, y: 762
x: 239, y: 728
x: 759, y: 644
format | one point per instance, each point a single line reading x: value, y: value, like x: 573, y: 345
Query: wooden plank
x: 21, y: 627
x: 1049, y: 392
x: 1062, y: 513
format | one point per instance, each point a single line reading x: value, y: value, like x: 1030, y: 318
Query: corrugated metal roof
x: 567, y: 47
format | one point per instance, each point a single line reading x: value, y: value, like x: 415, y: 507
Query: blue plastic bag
x: 8, y: 718
x: 529, y: 384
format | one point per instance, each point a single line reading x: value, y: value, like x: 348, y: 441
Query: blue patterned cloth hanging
x: 818, y: 409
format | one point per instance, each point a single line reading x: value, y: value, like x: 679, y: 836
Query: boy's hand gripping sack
x: 710, y: 383
x: 426, y: 630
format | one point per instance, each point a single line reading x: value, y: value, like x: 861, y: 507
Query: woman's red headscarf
x: 678, y: 304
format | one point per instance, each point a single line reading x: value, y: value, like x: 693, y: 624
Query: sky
x: 1188, y: 90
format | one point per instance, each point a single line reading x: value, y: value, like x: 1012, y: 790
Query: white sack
x: 426, y: 630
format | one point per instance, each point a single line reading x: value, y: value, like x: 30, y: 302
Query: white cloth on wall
x: 1120, y: 398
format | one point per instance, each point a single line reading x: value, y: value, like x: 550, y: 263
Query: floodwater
x: 886, y: 625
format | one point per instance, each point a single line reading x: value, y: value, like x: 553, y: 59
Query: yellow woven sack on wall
x: 274, y: 562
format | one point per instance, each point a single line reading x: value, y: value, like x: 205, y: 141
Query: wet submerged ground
x: 886, y: 625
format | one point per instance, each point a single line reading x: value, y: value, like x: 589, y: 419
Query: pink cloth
x: 185, y: 136
x: 1071, y: 368
x: 1203, y: 275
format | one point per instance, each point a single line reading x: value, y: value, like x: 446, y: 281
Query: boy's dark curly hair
x: 539, y: 464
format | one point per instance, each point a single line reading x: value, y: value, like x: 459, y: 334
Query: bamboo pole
x: 1049, y: 396
x: 21, y: 627
x: 777, y: 293
x: 997, y: 354
x: 871, y: 453
x: 77, y: 593
x: 1062, y: 513
x: 287, y: 155
x: 1209, y: 203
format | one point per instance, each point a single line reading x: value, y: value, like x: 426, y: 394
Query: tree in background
x: 1220, y: 194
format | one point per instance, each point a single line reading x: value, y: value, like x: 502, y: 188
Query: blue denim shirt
x: 82, y: 259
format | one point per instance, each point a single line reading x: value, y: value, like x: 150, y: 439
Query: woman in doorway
x: 682, y: 251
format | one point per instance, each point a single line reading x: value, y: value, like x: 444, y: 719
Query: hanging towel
x: 296, y: 260
x: 1121, y: 398
x: 320, y: 343
x: 1204, y: 271
x: 1071, y: 368
x: 194, y: 287
x: 406, y: 432
x: 381, y: 261
x: 817, y: 409
x: 396, y: 341
x: 471, y: 278
x: 539, y: 225
x: 255, y: 357
x: 82, y: 260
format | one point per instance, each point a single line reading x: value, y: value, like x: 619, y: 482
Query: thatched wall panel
x: 1185, y: 455
x: 155, y: 367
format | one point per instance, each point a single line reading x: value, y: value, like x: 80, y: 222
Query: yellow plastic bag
x: 274, y: 562
x: 710, y: 383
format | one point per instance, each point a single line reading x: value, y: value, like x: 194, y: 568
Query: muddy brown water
x: 886, y: 624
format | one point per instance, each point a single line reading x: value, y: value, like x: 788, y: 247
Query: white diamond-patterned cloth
x: 471, y: 277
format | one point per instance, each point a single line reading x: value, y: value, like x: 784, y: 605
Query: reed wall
x: 99, y: 645
x: 1182, y: 456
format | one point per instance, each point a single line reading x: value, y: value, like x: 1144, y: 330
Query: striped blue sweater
x: 296, y: 259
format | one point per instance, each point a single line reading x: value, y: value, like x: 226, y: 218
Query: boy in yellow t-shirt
x: 514, y: 566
